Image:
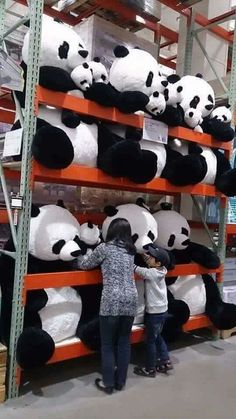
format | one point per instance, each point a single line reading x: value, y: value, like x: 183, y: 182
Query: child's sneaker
x: 164, y: 367
x: 145, y: 372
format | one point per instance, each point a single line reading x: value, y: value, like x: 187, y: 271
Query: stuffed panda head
x: 222, y: 113
x: 173, y: 229
x: 135, y: 70
x: 61, y: 46
x: 54, y: 234
x: 90, y: 233
x: 143, y: 225
x: 98, y: 70
x: 191, y: 92
x: 82, y: 77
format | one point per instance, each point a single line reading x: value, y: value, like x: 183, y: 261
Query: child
x: 157, y: 356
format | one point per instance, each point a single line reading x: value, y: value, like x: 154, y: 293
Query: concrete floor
x: 203, y: 386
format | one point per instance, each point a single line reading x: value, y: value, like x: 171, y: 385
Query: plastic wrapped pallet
x: 101, y: 36
x: 149, y: 7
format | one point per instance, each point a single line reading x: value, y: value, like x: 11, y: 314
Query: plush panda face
x: 173, y: 230
x: 143, y: 225
x: 192, y: 92
x: 82, y: 77
x: 222, y: 113
x: 54, y: 234
x: 61, y: 46
x: 98, y: 70
x: 90, y: 233
x: 135, y: 70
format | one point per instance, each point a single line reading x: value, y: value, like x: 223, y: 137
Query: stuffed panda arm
x: 218, y: 129
x: 204, y: 256
x: 55, y: 78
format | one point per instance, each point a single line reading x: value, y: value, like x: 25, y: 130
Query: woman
x: 118, y: 303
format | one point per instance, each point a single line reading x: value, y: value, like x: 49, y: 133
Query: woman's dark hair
x: 119, y: 231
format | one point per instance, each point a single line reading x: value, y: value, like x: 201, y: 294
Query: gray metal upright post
x: 189, y: 44
x: 36, y: 11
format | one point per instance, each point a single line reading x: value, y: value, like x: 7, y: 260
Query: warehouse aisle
x: 202, y: 386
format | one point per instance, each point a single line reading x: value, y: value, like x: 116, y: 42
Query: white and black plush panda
x: 51, y: 315
x: 193, y: 163
x: 199, y: 292
x: 196, y: 99
x: 135, y: 83
x: 143, y: 225
x: 174, y: 236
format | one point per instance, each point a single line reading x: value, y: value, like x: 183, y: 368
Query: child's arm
x: 145, y: 273
x: 93, y: 259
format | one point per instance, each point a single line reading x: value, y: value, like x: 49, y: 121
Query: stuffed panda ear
x: 166, y: 206
x: 173, y: 78
x: 141, y: 203
x: 97, y: 59
x: 228, y: 106
x: 56, y: 19
x: 35, y: 210
x: 90, y: 224
x: 110, y: 211
x: 121, y: 51
x: 60, y: 203
x: 136, y: 47
x: 27, y: 23
x: 199, y: 75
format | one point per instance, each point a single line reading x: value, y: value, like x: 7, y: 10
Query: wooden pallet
x: 3, y: 356
x: 225, y: 334
x: 2, y: 394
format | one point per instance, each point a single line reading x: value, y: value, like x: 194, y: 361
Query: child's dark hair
x: 120, y: 231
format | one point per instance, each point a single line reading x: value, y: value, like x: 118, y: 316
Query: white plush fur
x: 53, y: 223
x: 83, y: 137
x: 192, y: 291
x: 60, y: 317
x: 141, y: 222
x: 139, y: 318
x: 171, y: 222
x: 98, y: 71
x: 53, y: 36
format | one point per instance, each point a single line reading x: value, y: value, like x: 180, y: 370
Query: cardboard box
x: 229, y: 294
x: 3, y: 355
x: 2, y: 375
x: 2, y: 394
x: 101, y: 36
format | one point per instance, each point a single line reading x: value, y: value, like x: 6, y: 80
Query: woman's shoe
x: 100, y: 385
x: 144, y: 372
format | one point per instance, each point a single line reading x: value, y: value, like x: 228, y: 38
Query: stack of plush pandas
x: 134, y: 83
x: 51, y: 315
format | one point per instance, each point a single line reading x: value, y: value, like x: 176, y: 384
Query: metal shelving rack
x: 93, y: 176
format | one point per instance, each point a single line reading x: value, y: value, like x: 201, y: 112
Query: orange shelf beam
x: 75, y: 278
x: 197, y: 137
x: 197, y: 322
x: 86, y: 107
x: 92, y: 177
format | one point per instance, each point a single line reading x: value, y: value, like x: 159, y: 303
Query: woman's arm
x: 93, y: 259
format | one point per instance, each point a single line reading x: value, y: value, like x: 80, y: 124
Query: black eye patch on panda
x: 63, y: 50
x: 224, y: 117
x: 56, y: 248
x: 103, y: 77
x: 135, y: 237
x: 171, y: 240
x: 210, y: 98
x: 149, y: 79
x: 83, y: 82
x: 76, y: 239
x: 194, y: 102
x: 184, y: 231
x: 151, y: 235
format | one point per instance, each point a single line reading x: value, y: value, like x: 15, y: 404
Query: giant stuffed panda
x: 135, y: 83
x: 199, y: 292
x: 63, y: 137
x: 51, y: 315
x: 196, y: 99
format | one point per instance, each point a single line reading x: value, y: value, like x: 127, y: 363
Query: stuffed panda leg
x: 52, y: 147
x: 226, y: 176
x: 34, y: 348
x: 185, y: 170
x: 218, y: 129
x: 178, y: 314
x: 222, y: 315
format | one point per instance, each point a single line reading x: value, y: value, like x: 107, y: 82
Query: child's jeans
x: 156, y: 346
